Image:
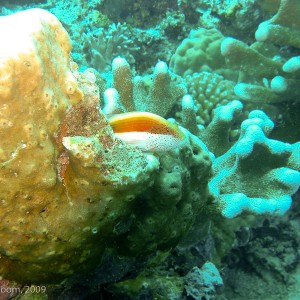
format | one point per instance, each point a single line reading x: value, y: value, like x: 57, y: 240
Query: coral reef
x: 70, y: 190
x: 84, y: 208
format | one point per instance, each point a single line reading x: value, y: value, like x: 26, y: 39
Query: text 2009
x: 33, y: 289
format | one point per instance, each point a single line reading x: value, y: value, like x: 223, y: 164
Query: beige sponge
x: 65, y: 181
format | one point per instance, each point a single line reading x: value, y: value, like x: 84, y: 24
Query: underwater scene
x: 150, y: 149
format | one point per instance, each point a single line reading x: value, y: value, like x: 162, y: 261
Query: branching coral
x: 254, y: 173
x: 236, y: 51
x: 268, y: 68
x: 103, y: 45
x: 283, y: 28
x: 258, y: 75
x: 240, y: 180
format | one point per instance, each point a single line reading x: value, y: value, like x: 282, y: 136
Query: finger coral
x: 283, y: 27
x: 157, y: 94
x: 269, y: 76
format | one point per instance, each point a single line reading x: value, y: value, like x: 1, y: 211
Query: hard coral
x: 241, y: 183
x: 157, y: 94
x: 199, y: 52
x: 283, y: 28
x: 101, y: 46
x: 209, y: 90
x: 269, y: 68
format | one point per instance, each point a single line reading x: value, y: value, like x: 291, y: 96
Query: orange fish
x: 147, y: 131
